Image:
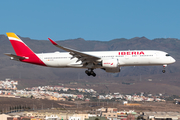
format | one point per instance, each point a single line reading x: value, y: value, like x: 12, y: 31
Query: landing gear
x: 164, y: 67
x: 90, y: 72
x: 163, y: 71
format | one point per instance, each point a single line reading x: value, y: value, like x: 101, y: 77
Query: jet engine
x: 111, y: 65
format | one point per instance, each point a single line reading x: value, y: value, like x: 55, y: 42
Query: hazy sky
x: 101, y: 20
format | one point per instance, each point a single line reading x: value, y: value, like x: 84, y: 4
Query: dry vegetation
x: 38, y: 104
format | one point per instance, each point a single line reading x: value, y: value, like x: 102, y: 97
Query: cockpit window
x: 167, y: 55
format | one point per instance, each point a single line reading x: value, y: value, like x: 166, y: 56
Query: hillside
x: 32, y: 75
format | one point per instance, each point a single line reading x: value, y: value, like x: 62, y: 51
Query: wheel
x: 91, y: 72
x: 163, y: 71
x: 86, y: 71
x: 94, y: 74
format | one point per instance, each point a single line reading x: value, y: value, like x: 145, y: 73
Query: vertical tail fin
x: 19, y: 46
x: 23, y: 50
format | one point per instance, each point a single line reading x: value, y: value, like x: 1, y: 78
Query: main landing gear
x: 164, y: 67
x: 90, y: 72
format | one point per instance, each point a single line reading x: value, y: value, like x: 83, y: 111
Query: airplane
x: 110, y: 61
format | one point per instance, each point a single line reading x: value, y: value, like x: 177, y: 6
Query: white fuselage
x: 124, y: 58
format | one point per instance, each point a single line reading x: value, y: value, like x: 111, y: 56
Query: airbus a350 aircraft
x: 110, y: 61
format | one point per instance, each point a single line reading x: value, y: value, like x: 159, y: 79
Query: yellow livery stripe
x: 13, y: 35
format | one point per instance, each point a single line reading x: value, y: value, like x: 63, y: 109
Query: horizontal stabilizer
x: 14, y: 57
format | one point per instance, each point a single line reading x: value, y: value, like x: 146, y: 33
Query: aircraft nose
x: 173, y: 60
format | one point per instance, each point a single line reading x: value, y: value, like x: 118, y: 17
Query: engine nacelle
x: 110, y: 63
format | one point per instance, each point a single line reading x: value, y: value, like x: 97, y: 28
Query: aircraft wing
x: 85, y: 58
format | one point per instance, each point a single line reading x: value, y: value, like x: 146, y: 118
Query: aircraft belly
x: 62, y: 63
x: 55, y: 63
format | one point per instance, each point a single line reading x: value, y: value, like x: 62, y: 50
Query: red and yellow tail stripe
x: 13, y: 36
x: 23, y: 50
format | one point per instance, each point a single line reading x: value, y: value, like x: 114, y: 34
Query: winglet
x: 54, y: 43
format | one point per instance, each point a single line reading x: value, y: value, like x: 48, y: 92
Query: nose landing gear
x: 163, y: 71
x: 90, y: 72
x: 164, y: 67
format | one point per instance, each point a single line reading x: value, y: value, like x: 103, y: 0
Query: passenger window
x: 167, y: 55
